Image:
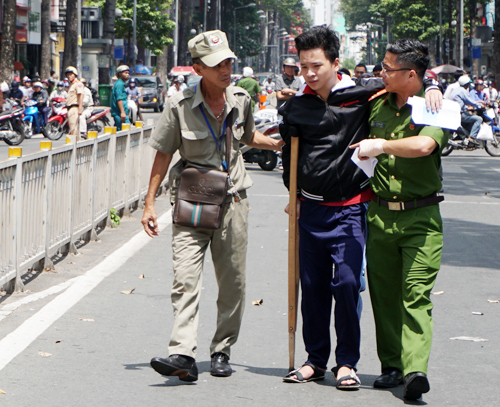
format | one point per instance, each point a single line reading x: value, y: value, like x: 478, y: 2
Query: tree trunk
x: 496, y: 45
x: 8, y: 40
x: 46, y: 49
x: 473, y: 35
x: 71, y: 35
x: 212, y: 16
x: 162, y: 60
x: 185, y: 26
x: 457, y: 36
x: 171, y: 62
x: 108, y: 33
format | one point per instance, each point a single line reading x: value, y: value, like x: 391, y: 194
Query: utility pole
x: 176, y: 33
x: 134, y: 36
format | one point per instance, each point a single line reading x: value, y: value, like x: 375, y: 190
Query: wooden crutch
x: 293, y: 252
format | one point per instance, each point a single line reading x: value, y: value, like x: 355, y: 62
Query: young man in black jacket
x: 329, y: 114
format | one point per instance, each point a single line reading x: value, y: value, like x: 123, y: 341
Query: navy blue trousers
x: 332, y: 262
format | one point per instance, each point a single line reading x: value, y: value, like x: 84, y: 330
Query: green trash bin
x: 105, y: 94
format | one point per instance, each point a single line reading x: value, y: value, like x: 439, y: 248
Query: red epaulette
x: 376, y: 95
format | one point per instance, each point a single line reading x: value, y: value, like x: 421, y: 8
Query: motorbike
x: 32, y: 116
x: 95, y: 96
x: 267, y: 122
x: 459, y: 139
x: 58, y: 123
x: 132, y: 110
x: 11, y: 125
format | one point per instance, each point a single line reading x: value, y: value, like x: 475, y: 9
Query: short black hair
x: 345, y: 70
x: 411, y: 53
x: 362, y: 66
x: 319, y: 36
x: 377, y: 67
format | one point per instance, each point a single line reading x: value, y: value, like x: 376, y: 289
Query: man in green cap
x: 194, y: 123
x: 405, y: 230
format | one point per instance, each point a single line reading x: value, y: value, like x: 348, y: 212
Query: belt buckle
x: 394, y: 206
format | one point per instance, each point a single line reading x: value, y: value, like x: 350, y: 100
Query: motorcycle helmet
x: 132, y: 83
x: 60, y: 86
x: 247, y: 72
x: 4, y: 87
x: 51, y: 81
x: 38, y: 85
x: 14, y: 85
x: 464, y: 80
x: 122, y: 68
x: 17, y: 79
x: 27, y: 80
x: 181, y: 78
x: 71, y: 69
x: 479, y: 82
x: 289, y: 62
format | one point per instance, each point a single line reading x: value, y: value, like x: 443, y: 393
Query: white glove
x: 371, y: 147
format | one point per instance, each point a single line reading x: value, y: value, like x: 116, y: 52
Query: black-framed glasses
x: 387, y: 69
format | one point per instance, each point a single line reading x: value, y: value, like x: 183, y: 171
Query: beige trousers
x: 228, y: 246
x: 73, y: 123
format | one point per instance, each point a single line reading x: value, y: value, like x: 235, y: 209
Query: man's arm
x: 160, y: 167
x: 264, y: 142
x: 409, y: 147
x: 468, y: 101
x: 79, y: 98
x: 285, y: 94
x: 123, y: 116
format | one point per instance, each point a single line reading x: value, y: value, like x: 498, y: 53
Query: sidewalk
x: 100, y: 348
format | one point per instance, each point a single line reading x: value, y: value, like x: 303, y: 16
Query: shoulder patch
x: 376, y: 95
x: 180, y: 96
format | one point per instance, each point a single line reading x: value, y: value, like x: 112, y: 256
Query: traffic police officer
x: 193, y: 123
x: 74, y: 101
x: 405, y: 230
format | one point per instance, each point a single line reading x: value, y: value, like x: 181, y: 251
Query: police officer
x: 74, y: 101
x: 287, y: 84
x: 194, y: 123
x: 405, y: 230
x: 119, y: 107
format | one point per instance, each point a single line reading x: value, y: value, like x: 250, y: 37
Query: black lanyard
x: 219, y: 144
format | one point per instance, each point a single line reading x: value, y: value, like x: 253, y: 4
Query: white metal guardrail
x: 51, y: 199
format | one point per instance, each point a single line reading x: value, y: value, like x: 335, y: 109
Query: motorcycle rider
x: 477, y: 93
x: 269, y: 85
x: 119, y: 106
x: 135, y: 94
x: 462, y: 96
x: 176, y: 87
x: 287, y: 84
x: 250, y: 85
x: 59, y: 92
x: 27, y: 89
x: 16, y: 93
x: 41, y: 97
x: 88, y: 107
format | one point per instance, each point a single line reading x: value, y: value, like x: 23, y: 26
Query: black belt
x: 416, y: 203
x: 69, y: 107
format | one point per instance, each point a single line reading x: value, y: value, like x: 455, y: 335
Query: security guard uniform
x: 405, y: 239
x: 182, y: 127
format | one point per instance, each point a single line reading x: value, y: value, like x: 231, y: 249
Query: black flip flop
x: 351, y: 376
x: 317, y: 375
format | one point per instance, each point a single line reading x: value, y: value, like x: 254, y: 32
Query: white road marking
x: 469, y: 203
x: 15, y: 342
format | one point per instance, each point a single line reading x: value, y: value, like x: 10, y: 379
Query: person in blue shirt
x: 463, y: 98
x: 135, y: 94
x: 477, y: 93
x: 119, y: 107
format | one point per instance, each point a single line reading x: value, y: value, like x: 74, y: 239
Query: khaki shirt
x: 76, y: 88
x: 182, y: 127
x: 399, y: 178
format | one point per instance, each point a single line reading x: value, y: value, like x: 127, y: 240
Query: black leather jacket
x: 326, y: 130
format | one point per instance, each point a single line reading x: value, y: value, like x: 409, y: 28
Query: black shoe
x: 220, y: 365
x: 416, y: 383
x: 390, y: 377
x: 177, y: 365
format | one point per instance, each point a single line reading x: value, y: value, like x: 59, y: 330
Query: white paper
x: 448, y: 117
x: 368, y: 166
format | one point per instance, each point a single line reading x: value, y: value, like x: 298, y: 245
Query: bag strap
x: 229, y: 139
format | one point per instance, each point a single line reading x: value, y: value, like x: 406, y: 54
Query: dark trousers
x: 332, y: 261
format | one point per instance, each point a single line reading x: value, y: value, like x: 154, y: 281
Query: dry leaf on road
x: 2, y: 392
x: 258, y: 303
x: 86, y: 319
x: 493, y: 301
x: 44, y: 354
x: 128, y: 291
x: 438, y: 292
x: 141, y: 276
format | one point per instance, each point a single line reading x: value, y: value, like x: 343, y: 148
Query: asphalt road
x: 32, y: 145
x: 88, y: 344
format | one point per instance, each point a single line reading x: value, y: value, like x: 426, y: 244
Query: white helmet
x: 247, y: 72
x: 464, y: 80
x: 38, y: 84
x: 122, y: 68
x: 180, y: 78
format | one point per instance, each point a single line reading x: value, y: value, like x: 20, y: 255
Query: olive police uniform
x: 404, y: 244
x: 182, y: 127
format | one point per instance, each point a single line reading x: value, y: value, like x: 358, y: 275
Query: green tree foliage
x: 152, y: 26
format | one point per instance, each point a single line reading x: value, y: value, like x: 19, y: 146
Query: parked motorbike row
x: 20, y: 122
